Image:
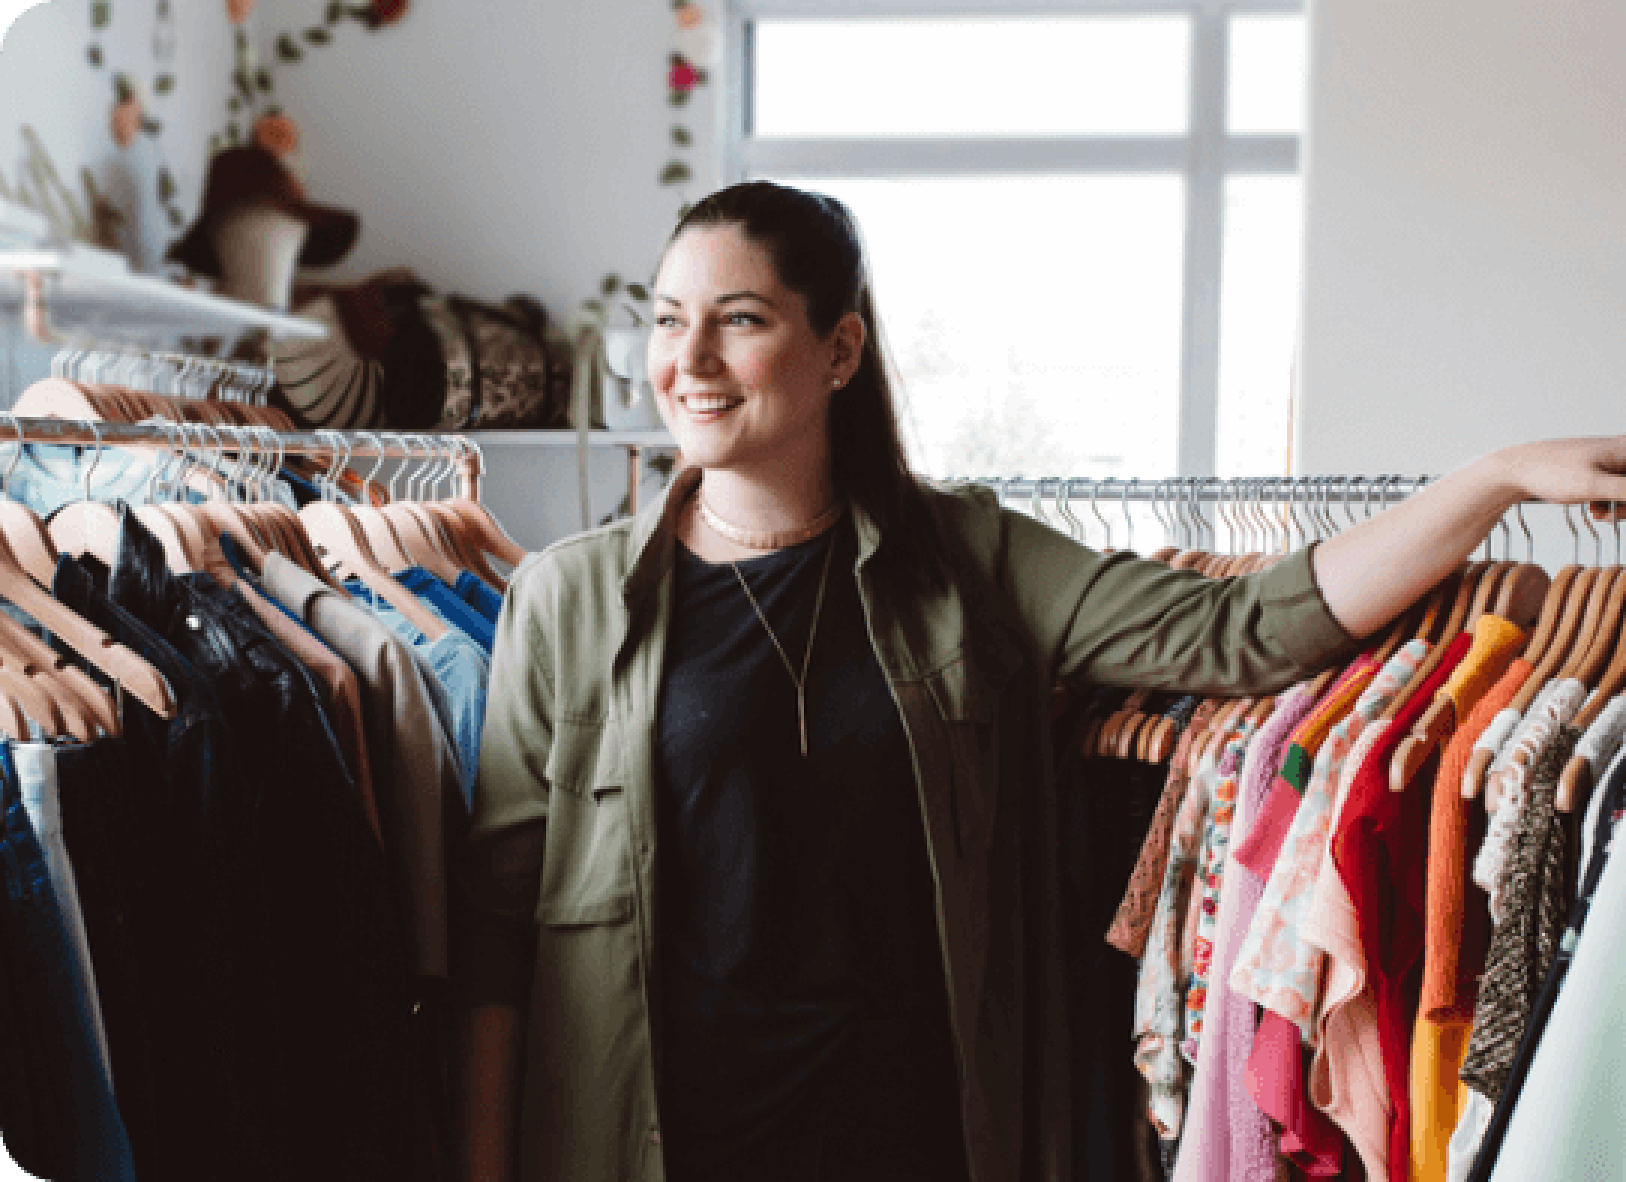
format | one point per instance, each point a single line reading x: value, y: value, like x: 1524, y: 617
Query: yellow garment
x: 1496, y: 643
x: 1437, y: 1095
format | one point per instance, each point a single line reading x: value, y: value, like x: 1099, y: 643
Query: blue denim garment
x: 69, y: 1128
x: 472, y: 590
x: 448, y: 606
x: 460, y: 667
x: 50, y: 475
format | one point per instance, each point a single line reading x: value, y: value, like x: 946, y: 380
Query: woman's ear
x: 848, y: 339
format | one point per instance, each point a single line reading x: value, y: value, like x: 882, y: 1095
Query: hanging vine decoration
x: 695, y: 44
x: 131, y: 117
x: 251, y: 116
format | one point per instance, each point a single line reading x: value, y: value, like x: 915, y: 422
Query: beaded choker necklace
x: 768, y: 539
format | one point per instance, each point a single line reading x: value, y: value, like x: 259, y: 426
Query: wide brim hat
x: 240, y: 176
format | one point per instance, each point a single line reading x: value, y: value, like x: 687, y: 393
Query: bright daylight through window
x: 1084, y: 222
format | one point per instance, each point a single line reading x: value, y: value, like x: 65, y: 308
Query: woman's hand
x: 1570, y: 472
x: 1373, y: 572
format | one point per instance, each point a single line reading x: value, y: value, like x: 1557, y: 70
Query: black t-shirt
x: 796, y: 898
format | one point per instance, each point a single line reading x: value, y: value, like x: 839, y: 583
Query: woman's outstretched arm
x: 1373, y: 572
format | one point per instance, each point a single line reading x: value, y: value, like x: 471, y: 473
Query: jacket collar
x: 652, y: 537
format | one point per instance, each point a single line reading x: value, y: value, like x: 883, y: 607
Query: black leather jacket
x: 319, y: 981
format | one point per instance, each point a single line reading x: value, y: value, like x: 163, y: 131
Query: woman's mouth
x: 709, y: 406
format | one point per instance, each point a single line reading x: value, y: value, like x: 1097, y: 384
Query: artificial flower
x: 384, y: 12
x: 683, y: 76
x: 277, y: 134
x: 127, y: 120
x: 697, y: 37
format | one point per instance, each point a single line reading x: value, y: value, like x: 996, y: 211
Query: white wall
x: 498, y: 146
x: 1466, y: 229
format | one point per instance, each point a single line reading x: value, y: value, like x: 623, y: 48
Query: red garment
x: 1380, y: 849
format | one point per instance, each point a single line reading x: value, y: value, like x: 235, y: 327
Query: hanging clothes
x: 1226, y: 1135
x: 56, y: 1106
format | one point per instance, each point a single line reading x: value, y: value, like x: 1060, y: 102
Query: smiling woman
x: 765, y: 825
x: 768, y: 367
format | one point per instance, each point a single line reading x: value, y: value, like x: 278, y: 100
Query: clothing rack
x: 1265, y: 512
x: 342, y: 447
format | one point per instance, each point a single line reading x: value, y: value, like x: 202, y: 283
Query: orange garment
x: 1455, y: 936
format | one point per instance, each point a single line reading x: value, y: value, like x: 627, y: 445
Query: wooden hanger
x: 75, y: 704
x: 13, y: 722
x: 1448, y: 604
x: 1566, y: 610
x: 338, y: 535
x: 1440, y: 719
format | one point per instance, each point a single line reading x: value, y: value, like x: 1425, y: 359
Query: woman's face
x: 741, y: 378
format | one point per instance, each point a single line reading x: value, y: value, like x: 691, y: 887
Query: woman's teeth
x: 708, y: 404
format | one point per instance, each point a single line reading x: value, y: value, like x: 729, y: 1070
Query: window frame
x: 1205, y: 156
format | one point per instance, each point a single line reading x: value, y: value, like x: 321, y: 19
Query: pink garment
x: 1276, y: 1079
x: 1227, y: 1138
x: 1346, y: 1074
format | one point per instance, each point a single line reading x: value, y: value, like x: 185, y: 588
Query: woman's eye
x: 744, y: 318
x: 666, y: 321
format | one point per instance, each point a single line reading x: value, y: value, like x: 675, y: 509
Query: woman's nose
x: 697, y: 352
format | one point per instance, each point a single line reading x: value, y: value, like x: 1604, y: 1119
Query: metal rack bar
x: 344, y: 446
x: 1278, y: 490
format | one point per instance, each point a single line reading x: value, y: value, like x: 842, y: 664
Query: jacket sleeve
x: 499, y: 866
x: 1114, y: 619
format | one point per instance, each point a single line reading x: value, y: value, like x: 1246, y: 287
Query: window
x: 1083, y: 219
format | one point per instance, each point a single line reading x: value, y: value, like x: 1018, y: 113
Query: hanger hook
x: 96, y: 456
x: 378, y: 446
x: 16, y: 455
x: 1129, y: 519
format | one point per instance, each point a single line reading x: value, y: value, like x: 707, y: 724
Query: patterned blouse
x: 1133, y: 921
x: 1159, y: 996
x: 1211, y: 873
x: 1513, y: 774
x: 1276, y: 967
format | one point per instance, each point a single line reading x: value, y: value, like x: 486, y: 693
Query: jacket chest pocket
x: 971, y: 734
x: 587, y: 866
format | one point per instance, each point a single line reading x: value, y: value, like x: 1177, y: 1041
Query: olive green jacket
x: 562, y: 850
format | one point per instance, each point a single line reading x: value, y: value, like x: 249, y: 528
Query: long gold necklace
x: 818, y: 606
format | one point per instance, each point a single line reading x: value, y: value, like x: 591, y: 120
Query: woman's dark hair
x: 818, y: 253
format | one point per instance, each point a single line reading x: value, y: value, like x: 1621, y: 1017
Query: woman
x: 759, y: 879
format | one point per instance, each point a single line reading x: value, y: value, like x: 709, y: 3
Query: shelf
x: 649, y: 437
x: 91, y: 294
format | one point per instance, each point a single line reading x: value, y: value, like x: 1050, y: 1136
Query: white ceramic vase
x: 629, y: 398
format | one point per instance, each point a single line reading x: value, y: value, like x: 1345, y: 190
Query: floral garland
x: 686, y: 71
x: 130, y: 115
x: 269, y: 127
